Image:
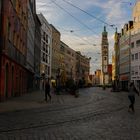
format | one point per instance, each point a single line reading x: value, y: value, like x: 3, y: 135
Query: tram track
x: 69, y: 119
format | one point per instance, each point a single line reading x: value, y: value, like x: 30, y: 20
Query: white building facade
x: 135, y: 45
x: 46, y: 50
x: 135, y: 59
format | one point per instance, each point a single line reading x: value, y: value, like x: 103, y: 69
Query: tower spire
x: 116, y: 29
x: 104, y: 28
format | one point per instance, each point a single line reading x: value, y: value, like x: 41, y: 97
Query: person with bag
x: 131, y: 95
x: 47, y: 90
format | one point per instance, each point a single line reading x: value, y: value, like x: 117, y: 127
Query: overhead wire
x: 73, y: 32
x: 110, y: 25
x: 89, y: 43
x: 75, y: 18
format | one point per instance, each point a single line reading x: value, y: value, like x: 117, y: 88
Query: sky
x: 81, y: 23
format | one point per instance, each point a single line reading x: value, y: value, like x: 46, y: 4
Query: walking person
x: 131, y: 95
x: 47, y: 90
x: 53, y: 86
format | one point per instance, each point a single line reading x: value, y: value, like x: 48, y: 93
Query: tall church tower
x: 105, y: 56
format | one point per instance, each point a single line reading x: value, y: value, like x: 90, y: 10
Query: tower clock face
x: 104, y: 52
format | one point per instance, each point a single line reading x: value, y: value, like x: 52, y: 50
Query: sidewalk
x: 34, y: 100
x: 30, y: 100
x: 26, y: 101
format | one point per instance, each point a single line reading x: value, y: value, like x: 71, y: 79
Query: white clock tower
x: 105, y: 57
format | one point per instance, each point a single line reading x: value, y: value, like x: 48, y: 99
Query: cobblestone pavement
x: 96, y: 114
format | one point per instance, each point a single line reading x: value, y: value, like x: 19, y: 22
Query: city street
x: 95, y: 114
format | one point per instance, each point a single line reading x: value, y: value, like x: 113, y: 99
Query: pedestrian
x: 47, y: 90
x: 131, y: 95
x: 53, y: 86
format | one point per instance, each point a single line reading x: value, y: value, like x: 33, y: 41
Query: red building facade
x: 110, y: 73
x: 13, y: 48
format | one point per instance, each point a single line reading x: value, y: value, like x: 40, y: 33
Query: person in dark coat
x: 47, y: 90
x: 131, y: 96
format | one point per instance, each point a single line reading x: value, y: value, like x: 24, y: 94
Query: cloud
x: 109, y: 11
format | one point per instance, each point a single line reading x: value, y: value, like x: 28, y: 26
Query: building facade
x: 109, y: 73
x: 13, y: 49
x: 37, y: 51
x: 46, y: 50
x: 63, y: 75
x: 113, y: 67
x: 97, y: 77
x: 124, y: 56
x: 136, y: 17
x: 115, y: 60
x: 135, y: 59
x: 82, y: 68
x: 135, y: 46
x: 0, y: 42
x: 55, y: 70
x: 70, y: 62
x: 30, y: 46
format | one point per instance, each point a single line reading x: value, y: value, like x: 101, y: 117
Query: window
x: 136, y: 70
x: 134, y: 19
x: 43, y: 57
x: 15, y: 38
x: 9, y: 33
x: 132, y: 71
x: 44, y: 35
x: 43, y: 46
x: 132, y: 58
x: 132, y: 45
x: 138, y: 43
x: 46, y: 48
x: 47, y: 38
x: 136, y: 56
x: 68, y: 52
